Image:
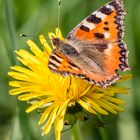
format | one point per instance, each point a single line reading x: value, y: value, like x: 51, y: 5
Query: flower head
x: 54, y: 94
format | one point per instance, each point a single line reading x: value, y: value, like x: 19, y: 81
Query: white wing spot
x: 107, y: 35
x: 110, y: 7
x: 99, y: 14
x: 89, y: 25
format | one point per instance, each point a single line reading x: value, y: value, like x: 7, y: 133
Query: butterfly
x: 94, y: 49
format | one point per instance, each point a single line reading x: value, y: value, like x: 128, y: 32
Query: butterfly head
x: 56, y: 42
x: 64, y: 47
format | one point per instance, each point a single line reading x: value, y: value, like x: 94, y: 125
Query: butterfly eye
x: 69, y: 50
x: 56, y: 41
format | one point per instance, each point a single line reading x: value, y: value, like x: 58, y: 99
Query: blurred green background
x: 34, y: 17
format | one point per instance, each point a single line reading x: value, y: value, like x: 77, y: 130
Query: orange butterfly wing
x: 116, y: 58
x: 103, y: 25
x: 60, y: 63
x: 104, y: 29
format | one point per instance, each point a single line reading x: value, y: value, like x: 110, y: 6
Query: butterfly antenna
x: 58, y: 12
x: 32, y: 36
x: 24, y: 35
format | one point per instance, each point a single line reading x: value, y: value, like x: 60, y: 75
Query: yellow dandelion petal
x: 19, y: 76
x: 96, y: 95
x: 125, y: 77
x: 15, y: 84
x: 51, y: 35
x: 51, y: 120
x: 26, y: 97
x: 34, y: 48
x: 38, y: 104
x: 119, y: 90
x: 58, y: 33
x: 105, y: 106
x: 19, y: 90
x: 113, y: 106
x: 28, y: 56
x: 97, y: 108
x: 86, y: 90
x: 23, y: 70
x: 65, y: 82
x: 105, y: 91
x: 60, y: 120
x: 23, y: 61
x: 62, y: 107
x: 57, y: 135
x: 45, y: 44
x: 114, y: 100
x: 86, y: 106
x: 74, y: 90
x: 45, y: 114
x: 24, y: 77
x: 22, y: 84
x: 30, y: 75
x: 59, y: 123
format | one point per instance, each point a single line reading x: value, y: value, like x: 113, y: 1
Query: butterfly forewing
x: 105, y: 24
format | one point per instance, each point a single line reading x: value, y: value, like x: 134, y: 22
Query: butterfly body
x: 94, y: 49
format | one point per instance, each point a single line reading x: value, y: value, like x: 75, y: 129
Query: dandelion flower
x: 54, y: 94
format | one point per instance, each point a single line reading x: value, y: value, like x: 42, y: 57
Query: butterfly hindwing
x: 61, y: 64
x: 115, y: 58
x: 109, y: 58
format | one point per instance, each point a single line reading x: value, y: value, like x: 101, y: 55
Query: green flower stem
x: 11, y: 31
x: 24, y: 124
x: 12, y: 35
x: 103, y: 133
x: 76, y: 134
x: 102, y: 130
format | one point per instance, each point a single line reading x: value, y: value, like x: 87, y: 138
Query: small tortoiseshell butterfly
x: 94, y: 49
